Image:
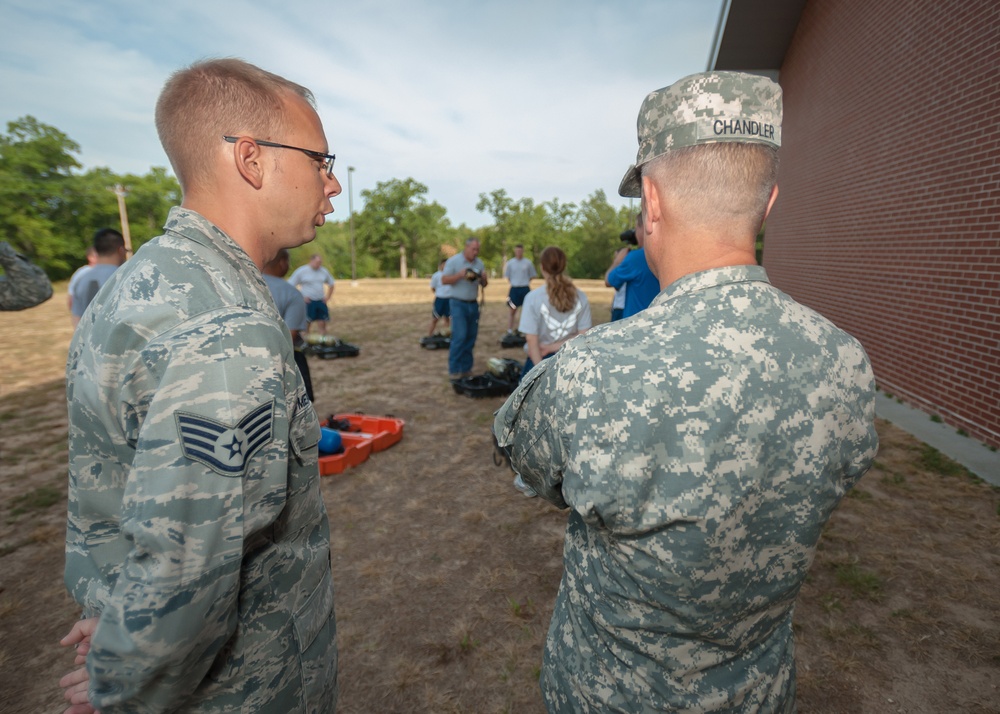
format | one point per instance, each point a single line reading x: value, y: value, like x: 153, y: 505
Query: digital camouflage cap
x: 705, y: 108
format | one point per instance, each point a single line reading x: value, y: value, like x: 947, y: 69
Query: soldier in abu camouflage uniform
x: 24, y: 285
x: 700, y: 445
x: 198, y: 542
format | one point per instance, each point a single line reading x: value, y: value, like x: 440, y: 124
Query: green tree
x: 597, y: 236
x: 90, y: 203
x: 399, y: 226
x: 521, y: 222
x: 333, y: 242
x: 36, y: 161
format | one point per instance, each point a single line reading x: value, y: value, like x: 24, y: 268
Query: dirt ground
x: 445, y: 575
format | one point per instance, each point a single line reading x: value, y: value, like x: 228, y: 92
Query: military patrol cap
x: 705, y: 108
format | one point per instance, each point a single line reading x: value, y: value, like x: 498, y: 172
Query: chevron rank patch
x: 226, y: 448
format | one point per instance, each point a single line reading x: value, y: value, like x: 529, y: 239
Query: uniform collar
x: 695, y: 282
x: 194, y: 226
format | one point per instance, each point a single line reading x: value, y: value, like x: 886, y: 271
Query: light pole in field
x: 350, y: 208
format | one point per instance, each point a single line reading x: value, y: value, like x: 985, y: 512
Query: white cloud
x: 538, y: 98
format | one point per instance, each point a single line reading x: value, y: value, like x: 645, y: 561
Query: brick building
x: 888, y: 218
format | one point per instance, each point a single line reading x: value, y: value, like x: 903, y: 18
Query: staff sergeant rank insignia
x: 223, y: 448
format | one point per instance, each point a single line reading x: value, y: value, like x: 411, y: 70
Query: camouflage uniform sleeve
x: 207, y: 418
x: 25, y: 285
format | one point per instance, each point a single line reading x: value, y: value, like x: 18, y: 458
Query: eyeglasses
x: 326, y: 160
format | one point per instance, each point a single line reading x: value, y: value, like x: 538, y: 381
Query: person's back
x: 737, y: 496
x: 292, y: 308
x: 109, y: 246
x: 701, y: 444
x: 540, y: 317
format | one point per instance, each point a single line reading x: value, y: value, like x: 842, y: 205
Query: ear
x: 651, y: 209
x: 249, y: 161
x: 771, y: 200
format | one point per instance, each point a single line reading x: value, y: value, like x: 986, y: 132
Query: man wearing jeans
x: 465, y: 273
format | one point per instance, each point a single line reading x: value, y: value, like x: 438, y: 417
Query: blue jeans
x: 528, y: 364
x: 464, y: 330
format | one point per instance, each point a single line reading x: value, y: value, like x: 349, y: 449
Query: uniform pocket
x: 316, y: 632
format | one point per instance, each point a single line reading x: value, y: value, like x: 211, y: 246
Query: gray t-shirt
x: 289, y: 301
x: 519, y: 272
x: 88, y: 284
x: 312, y: 282
x: 463, y: 289
x: 539, y: 317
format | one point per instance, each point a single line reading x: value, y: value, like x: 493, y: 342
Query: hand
x: 75, y: 685
x: 80, y: 635
x: 75, y: 691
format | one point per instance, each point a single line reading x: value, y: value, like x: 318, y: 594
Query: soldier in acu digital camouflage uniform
x: 198, y: 542
x: 23, y: 285
x: 700, y: 445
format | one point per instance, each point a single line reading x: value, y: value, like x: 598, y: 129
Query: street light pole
x: 350, y: 207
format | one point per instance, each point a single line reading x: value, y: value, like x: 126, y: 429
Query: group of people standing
x: 699, y: 445
x: 550, y: 315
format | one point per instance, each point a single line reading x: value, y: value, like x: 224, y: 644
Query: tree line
x: 50, y: 208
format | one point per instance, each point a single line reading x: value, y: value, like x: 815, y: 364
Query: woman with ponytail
x: 554, y: 313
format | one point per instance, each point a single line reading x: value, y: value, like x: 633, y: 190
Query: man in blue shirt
x: 630, y: 269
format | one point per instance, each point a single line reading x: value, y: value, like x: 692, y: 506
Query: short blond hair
x: 214, y: 98
x: 722, y: 183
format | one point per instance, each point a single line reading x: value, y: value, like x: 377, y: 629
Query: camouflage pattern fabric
x: 196, y: 528
x: 701, y: 446
x: 705, y: 108
x: 24, y: 285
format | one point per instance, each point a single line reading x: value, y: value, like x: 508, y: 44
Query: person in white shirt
x: 519, y: 271
x: 316, y: 285
x: 554, y: 313
x: 441, y: 310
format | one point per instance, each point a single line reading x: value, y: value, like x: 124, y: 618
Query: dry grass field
x: 446, y: 576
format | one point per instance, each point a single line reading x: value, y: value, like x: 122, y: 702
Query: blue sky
x: 535, y: 97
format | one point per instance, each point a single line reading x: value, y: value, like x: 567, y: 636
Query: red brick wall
x: 888, y: 217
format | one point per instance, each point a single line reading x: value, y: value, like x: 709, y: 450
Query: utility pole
x: 121, y: 193
x: 350, y: 207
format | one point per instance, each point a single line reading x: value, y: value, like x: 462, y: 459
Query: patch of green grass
x: 519, y: 610
x: 933, y: 460
x: 831, y: 603
x: 468, y: 643
x: 894, y: 479
x: 936, y: 419
x: 37, y: 500
x: 862, y: 583
x: 961, y: 432
x: 859, y: 494
x: 8, y: 548
x: 888, y: 395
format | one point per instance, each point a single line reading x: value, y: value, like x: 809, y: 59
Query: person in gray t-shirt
x: 519, y: 271
x: 291, y: 306
x: 110, y: 248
